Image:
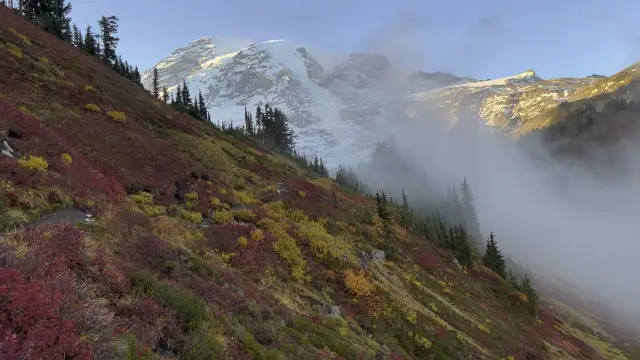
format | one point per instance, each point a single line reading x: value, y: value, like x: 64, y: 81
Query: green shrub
x: 92, y: 107
x: 244, y: 215
x: 222, y: 217
x: 89, y: 88
x: 191, y: 216
x: 34, y: 163
x: 118, y: 116
x: 243, y: 198
x: 13, y: 218
x: 191, y: 309
x: 257, y: 350
x: 191, y: 199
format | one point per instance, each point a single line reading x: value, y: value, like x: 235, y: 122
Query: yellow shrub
x: 191, y: 199
x: 244, y: 215
x: 191, y: 216
x: 222, y: 217
x: 520, y: 296
x: 420, y: 340
x: 14, y: 50
x: 301, y: 194
x: 173, y: 231
x: 118, y: 116
x: 412, y: 316
x: 34, y: 163
x: 227, y: 257
x: 358, y: 284
x: 323, y: 244
x: 298, y: 215
x: 66, y: 158
x: 92, y: 107
x: 275, y: 210
x: 22, y: 37
x: 215, y: 202
x: 242, y: 241
x: 89, y: 88
x: 243, y: 198
x: 257, y: 235
x: 483, y: 328
x: 287, y: 248
x: 223, y: 191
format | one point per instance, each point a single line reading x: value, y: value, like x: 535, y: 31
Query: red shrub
x: 152, y: 252
x: 31, y: 321
x: 428, y: 260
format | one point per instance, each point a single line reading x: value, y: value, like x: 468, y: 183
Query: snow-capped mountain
x: 340, y: 105
x: 335, y: 102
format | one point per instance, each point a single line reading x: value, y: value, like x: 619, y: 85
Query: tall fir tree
x: 493, y: 258
x: 179, y: 96
x: 469, y: 214
x: 165, y: 95
x: 202, y: 106
x: 108, y: 29
x: 90, y: 44
x: 186, y: 96
x: 155, y: 86
x: 248, y: 123
x: 526, y: 287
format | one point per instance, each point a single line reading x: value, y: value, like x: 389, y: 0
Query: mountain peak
x: 529, y: 74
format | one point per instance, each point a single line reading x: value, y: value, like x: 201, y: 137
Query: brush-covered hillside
x: 203, y: 245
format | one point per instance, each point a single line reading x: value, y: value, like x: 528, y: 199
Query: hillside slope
x: 205, y: 246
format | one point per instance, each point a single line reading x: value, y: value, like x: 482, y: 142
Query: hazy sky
x: 478, y: 38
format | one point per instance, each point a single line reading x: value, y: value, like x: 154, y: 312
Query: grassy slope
x: 145, y: 277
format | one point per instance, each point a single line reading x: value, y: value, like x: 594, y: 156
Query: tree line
x: 53, y: 17
x: 453, y: 226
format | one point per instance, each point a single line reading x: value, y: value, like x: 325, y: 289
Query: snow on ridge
x: 527, y: 75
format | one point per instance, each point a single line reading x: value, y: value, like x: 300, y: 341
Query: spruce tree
x: 155, y: 86
x: 461, y: 246
x: 90, y: 44
x: 77, y: 37
x: 108, y: 28
x: 186, y: 96
x: 248, y: 123
x: 202, y: 106
x: 405, y: 214
x: 469, y: 215
x: 526, y: 287
x: 179, y: 96
x: 493, y: 258
x: 165, y: 95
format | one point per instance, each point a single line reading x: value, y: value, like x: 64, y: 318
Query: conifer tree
x: 461, y: 246
x: 526, y: 287
x: 90, y: 44
x: 202, y: 106
x: 186, y: 96
x: 179, y: 96
x: 248, y: 123
x: 165, y: 95
x: 405, y: 214
x: 155, y: 86
x: 469, y: 214
x: 78, y: 40
x: 493, y: 258
x: 108, y: 30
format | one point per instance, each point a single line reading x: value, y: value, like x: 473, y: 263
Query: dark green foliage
x: 382, y: 204
x: 186, y: 95
x: 526, y: 287
x: 193, y: 310
x: 90, y: 43
x: 347, y: 179
x: 108, y: 29
x: 493, y: 258
x: 51, y: 16
x: 302, y: 161
x: 165, y: 95
x: 155, y: 87
x: 469, y: 214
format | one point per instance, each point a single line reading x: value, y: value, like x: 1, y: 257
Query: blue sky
x: 478, y: 38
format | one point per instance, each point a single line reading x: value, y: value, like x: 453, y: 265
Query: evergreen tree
x: 108, y: 28
x: 493, y: 258
x: 155, y: 86
x: 202, y: 106
x: 526, y: 287
x: 405, y: 214
x: 382, y: 203
x: 78, y: 40
x: 469, y: 215
x: 135, y: 74
x: 165, y: 95
x: 51, y: 16
x: 179, y: 96
x: 248, y: 123
x: 90, y: 44
x: 259, y: 123
x: 186, y: 96
x: 461, y: 247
